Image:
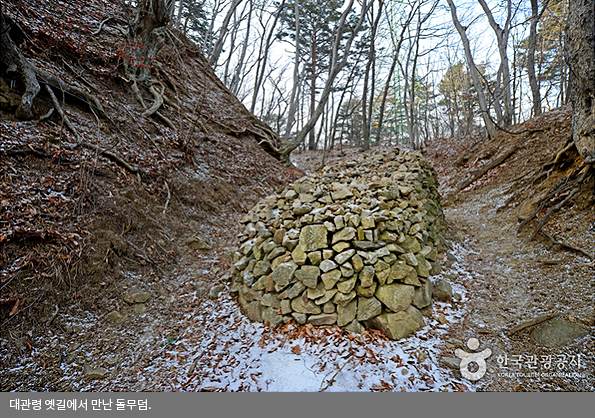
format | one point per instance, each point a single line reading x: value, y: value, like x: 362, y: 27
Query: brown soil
x: 78, y: 232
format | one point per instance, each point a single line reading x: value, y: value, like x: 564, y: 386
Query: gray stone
x: 345, y: 234
x: 366, y: 292
x: 137, y: 297
x: 451, y: 362
x: 294, y: 291
x: 368, y: 308
x: 315, y: 257
x: 367, y: 222
x: 422, y: 296
x: 271, y: 317
x: 410, y: 245
x: 275, y: 252
x: 139, y: 308
x: 285, y: 307
x: 347, y: 270
x: 116, y: 317
x: 355, y: 327
x: 396, y: 297
x: 328, y: 295
x: 98, y: 373
x: 558, y: 332
x: 283, y: 274
x: 409, y: 258
x: 197, y: 244
x: 313, y: 237
x: 398, y: 325
x: 253, y: 310
x: 368, y: 245
x: 331, y: 278
x: 366, y: 276
x: 346, y: 314
x: 272, y: 300
x: 329, y: 307
x: 340, y: 193
x: 308, y: 275
x: 442, y: 291
x: 302, y: 210
x: 309, y: 307
x: 344, y: 256
x: 357, y: 263
x: 343, y: 299
x: 215, y: 290
x: 300, y: 318
x: 347, y: 285
x: 317, y: 292
x: 327, y: 265
x: 323, y: 319
x: 298, y: 255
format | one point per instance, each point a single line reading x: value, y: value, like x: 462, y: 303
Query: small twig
x: 47, y: 115
x: 332, y: 379
x: 47, y: 324
x: 106, y: 20
x: 559, y: 205
x: 168, y: 196
x: 570, y: 247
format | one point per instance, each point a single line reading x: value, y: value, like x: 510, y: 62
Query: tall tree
x: 339, y: 56
x: 483, y: 105
x: 580, y: 56
x: 318, y: 24
x: 502, y: 34
x: 535, y: 17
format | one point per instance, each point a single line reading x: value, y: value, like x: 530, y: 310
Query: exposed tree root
x: 561, y: 187
x: 487, y: 167
x: 81, y: 143
x: 526, y: 324
x: 570, y: 247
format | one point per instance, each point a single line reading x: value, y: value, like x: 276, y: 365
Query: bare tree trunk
x: 262, y: 60
x: 502, y: 38
x: 336, y: 66
x: 296, y: 78
x: 490, y: 128
x: 535, y: 17
x: 313, y: 57
x: 367, y: 108
x: 235, y: 84
x: 214, y: 58
x: 396, y: 51
x: 580, y: 57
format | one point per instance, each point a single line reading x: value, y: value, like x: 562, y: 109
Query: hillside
x: 78, y: 227
x: 116, y: 242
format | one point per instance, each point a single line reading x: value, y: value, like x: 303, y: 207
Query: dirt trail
x: 515, y: 282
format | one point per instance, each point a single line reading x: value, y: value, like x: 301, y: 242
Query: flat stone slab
x: 557, y: 332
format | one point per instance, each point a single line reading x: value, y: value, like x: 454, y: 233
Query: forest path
x: 515, y: 283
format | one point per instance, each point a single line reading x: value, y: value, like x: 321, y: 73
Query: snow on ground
x: 221, y: 350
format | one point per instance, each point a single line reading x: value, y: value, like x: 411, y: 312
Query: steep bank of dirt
x: 518, y: 283
x: 80, y: 232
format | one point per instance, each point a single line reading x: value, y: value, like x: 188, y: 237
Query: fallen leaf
x: 296, y: 349
x: 14, y: 308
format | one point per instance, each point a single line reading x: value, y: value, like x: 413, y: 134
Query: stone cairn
x: 353, y: 245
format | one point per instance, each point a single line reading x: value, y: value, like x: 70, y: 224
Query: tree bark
x: 17, y: 62
x: 580, y: 57
x: 531, y: 59
x: 502, y: 38
x: 490, y: 128
x: 336, y: 67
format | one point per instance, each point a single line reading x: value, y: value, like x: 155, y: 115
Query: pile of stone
x: 353, y: 245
